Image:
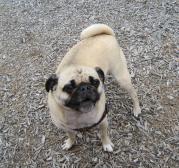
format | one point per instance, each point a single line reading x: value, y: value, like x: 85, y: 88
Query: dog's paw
x: 137, y: 111
x: 108, y: 147
x: 68, y: 144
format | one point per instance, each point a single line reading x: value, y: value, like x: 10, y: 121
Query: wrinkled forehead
x: 80, y: 74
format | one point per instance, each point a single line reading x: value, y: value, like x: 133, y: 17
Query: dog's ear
x: 51, y: 82
x: 100, y: 73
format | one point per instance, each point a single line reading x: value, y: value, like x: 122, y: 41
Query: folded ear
x: 51, y: 82
x: 100, y: 74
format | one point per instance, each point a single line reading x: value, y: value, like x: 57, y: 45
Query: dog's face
x: 78, y: 88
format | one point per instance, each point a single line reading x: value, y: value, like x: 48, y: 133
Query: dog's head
x: 78, y: 88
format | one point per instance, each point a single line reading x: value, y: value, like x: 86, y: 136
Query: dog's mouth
x: 84, y: 106
x: 87, y: 102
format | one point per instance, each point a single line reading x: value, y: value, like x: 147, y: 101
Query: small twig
x: 40, y: 107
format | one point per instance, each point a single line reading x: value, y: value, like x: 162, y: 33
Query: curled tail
x: 96, y: 29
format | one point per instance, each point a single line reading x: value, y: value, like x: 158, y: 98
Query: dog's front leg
x: 70, y: 141
x: 106, y: 142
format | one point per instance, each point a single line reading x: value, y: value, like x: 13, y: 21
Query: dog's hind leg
x: 121, y: 73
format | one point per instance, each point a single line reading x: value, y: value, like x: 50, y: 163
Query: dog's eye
x: 94, y: 82
x: 69, y: 87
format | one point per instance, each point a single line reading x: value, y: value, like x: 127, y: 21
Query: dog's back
x: 96, y: 48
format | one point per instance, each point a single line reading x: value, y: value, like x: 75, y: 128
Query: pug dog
x: 76, y: 95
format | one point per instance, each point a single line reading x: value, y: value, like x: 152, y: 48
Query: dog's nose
x: 84, y: 88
